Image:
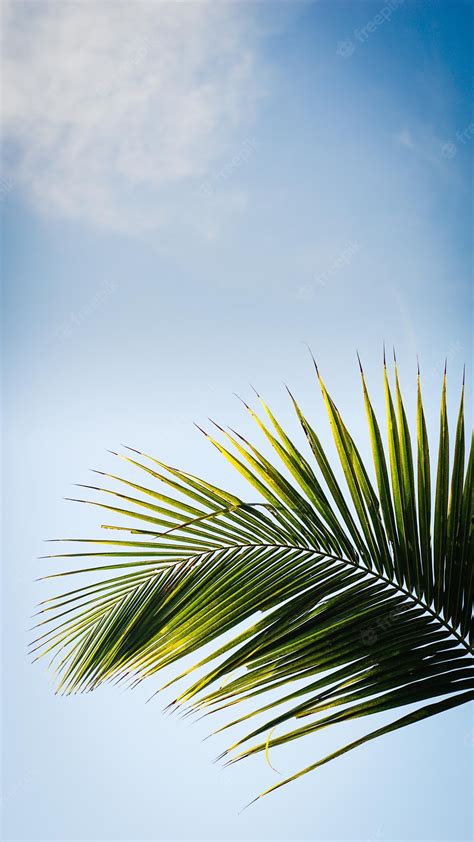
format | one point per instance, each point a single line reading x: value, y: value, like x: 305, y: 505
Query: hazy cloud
x: 115, y: 113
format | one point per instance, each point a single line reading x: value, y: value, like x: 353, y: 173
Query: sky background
x: 191, y: 192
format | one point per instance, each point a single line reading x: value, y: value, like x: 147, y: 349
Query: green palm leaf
x: 347, y: 604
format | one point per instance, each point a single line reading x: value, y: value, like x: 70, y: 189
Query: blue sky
x: 190, y: 192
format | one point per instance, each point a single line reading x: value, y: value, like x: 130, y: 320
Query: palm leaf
x: 347, y: 604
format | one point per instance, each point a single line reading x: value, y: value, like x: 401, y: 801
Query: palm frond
x: 351, y: 603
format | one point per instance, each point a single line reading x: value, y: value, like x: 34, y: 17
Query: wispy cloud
x: 115, y: 113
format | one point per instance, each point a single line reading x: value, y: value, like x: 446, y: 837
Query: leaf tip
x: 312, y: 357
x: 216, y: 425
x: 245, y: 807
x: 241, y: 400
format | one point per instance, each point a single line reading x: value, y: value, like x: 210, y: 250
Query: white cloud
x: 116, y: 112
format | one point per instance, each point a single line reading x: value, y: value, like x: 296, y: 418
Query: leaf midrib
x: 391, y: 582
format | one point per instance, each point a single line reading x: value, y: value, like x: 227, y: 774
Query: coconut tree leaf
x: 316, y: 606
